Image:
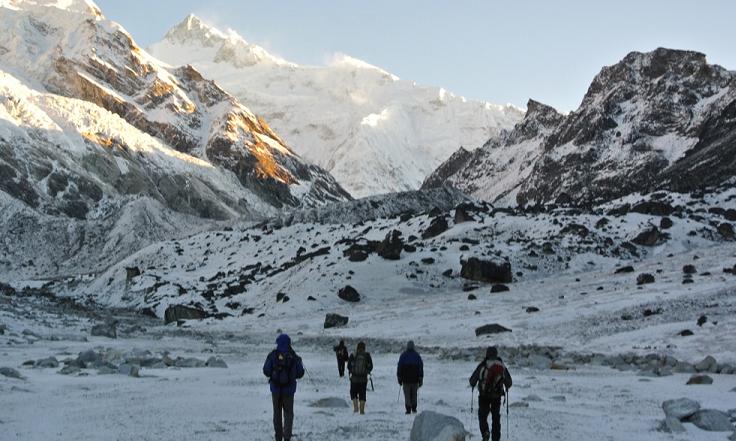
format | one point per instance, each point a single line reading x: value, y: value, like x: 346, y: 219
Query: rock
x: 472, y: 297
x: 680, y: 408
x: 11, y: 373
x: 700, y: 379
x: 435, y: 228
x: 433, y: 426
x: 216, y: 362
x: 493, y: 328
x: 712, y: 420
x: 486, y: 270
x: 175, y: 313
x: 106, y: 370
x: 708, y: 364
x: 499, y: 287
x: 50, y: 362
x: 686, y: 333
x: 648, y: 238
x: 671, y: 425
x: 108, y: 329
x: 558, y: 366
x: 335, y: 321
x: 358, y: 256
x: 129, y: 370
x: 684, y: 368
x: 644, y: 278
x: 532, y: 309
x: 462, y: 216
x: 726, y: 230
x: 330, y: 403
x: 447, y: 273
x: 703, y: 319
x: 532, y: 398
x: 665, y: 223
x: 88, y: 358
x: 689, y: 269
x: 190, y: 362
x: 3, y: 328
x: 349, y: 294
x: 428, y: 260
x: 391, y: 246
x: 653, y: 208
x: 70, y: 370
x: 519, y: 404
x: 624, y: 270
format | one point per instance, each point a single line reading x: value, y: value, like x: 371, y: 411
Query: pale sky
x: 497, y: 51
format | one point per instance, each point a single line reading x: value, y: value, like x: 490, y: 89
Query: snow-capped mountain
x: 374, y: 132
x: 659, y: 120
x: 87, y: 117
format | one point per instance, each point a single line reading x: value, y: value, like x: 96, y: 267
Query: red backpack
x: 491, y: 379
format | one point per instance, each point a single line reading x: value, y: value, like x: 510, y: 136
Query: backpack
x: 491, y: 379
x: 282, y: 373
x: 361, y: 365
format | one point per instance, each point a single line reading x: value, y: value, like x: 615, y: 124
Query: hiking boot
x: 413, y: 410
x: 362, y: 407
x: 355, y: 405
x: 408, y: 410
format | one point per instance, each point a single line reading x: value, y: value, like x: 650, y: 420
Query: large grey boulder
x: 335, y: 321
x: 175, y: 313
x: 330, y: 402
x: 10, y: 373
x: 488, y: 271
x: 680, y: 408
x: 216, y: 362
x: 671, y: 425
x: 189, y: 362
x: 708, y: 364
x: 433, y: 426
x: 712, y: 420
x: 50, y: 362
x: 88, y: 358
x: 129, y: 370
x: 108, y: 329
x: 349, y: 294
x: 700, y: 379
x: 493, y: 328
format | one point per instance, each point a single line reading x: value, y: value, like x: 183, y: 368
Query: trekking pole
x: 309, y: 377
x: 470, y: 416
x: 370, y: 377
x: 398, y: 396
x: 507, y: 414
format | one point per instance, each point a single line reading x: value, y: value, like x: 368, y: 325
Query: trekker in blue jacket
x: 283, y: 367
x: 410, y: 373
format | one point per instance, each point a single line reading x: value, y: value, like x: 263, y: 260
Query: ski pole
x: 398, y: 396
x: 507, y: 414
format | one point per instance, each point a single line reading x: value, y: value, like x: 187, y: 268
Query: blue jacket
x: 410, y: 368
x: 283, y: 346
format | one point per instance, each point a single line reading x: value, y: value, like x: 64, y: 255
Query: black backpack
x: 282, y: 373
x: 360, y: 366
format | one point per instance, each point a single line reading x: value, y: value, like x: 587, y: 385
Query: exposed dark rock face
x: 391, y: 246
x: 435, y: 228
x: 659, y: 120
x: 648, y: 238
x: 486, y: 270
x: 180, y: 312
x: 349, y: 294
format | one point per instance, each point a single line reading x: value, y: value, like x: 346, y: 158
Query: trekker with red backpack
x: 493, y: 380
x: 283, y: 367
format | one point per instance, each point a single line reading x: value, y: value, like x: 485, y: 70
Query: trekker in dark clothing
x: 283, y: 367
x: 341, y: 352
x: 493, y: 380
x: 410, y: 373
x: 360, y: 366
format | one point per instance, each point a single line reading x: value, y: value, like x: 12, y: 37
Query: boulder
x: 330, y: 403
x: 190, y: 362
x: 689, y: 269
x: 708, y: 364
x: 461, y: 215
x: 499, y: 287
x: 11, y: 373
x: 435, y: 228
x: 648, y: 238
x: 107, y: 329
x: 433, y: 426
x: 671, y: 425
x: 70, y: 370
x: 391, y: 246
x: 644, y: 278
x: 680, y: 408
x: 335, y: 321
x: 726, y: 230
x: 129, y: 370
x: 50, y: 362
x: 493, y: 328
x: 349, y: 294
x: 358, y: 256
x: 216, y: 362
x: 88, y: 358
x: 712, y: 420
x: 700, y: 379
x: 174, y: 313
x: 624, y: 269
x: 486, y: 270
x: 532, y: 309
x: 665, y: 223
x: 653, y: 208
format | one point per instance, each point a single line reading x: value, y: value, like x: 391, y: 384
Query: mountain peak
x: 193, y: 28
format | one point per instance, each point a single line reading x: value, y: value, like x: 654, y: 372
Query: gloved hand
x: 421, y: 381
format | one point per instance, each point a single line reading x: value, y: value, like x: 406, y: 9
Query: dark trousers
x: 410, y: 396
x: 283, y: 407
x: 492, y: 406
x: 358, y: 391
x: 341, y: 367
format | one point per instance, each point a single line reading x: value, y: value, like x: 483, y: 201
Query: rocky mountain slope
x: 89, y: 116
x: 659, y: 120
x: 374, y: 132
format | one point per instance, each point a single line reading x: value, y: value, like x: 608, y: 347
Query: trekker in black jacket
x: 410, y: 373
x: 360, y: 366
x: 341, y: 352
x: 493, y: 380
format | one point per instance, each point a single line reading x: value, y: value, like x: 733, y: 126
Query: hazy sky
x: 498, y: 51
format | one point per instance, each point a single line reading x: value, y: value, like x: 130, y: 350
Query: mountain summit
x: 374, y: 132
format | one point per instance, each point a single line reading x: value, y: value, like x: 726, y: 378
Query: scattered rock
x: 435, y: 228
x: 499, y: 287
x: 493, y: 328
x: 680, y: 408
x: 726, y: 230
x: 519, y: 404
x: 486, y: 270
x: 335, y: 321
x: 358, y: 256
x: 712, y: 420
x: 671, y: 425
x: 648, y: 238
x: 11, y: 373
x: 700, y: 379
x: 129, y: 370
x: 50, y: 362
x: 472, y: 297
x: 703, y: 319
x: 190, y: 362
x: 433, y: 426
x: 532, y: 309
x: 653, y: 208
x: 330, y: 403
x: 689, y: 269
x: 447, y: 273
x: 216, y: 362
x: 349, y: 294
x: 644, y: 278
x: 108, y: 329
x: 708, y: 364
x: 175, y: 313
x: 391, y: 246
x: 624, y: 269
x: 686, y: 333
x: 70, y: 370
x: 532, y: 398
x: 88, y: 358
x: 665, y: 223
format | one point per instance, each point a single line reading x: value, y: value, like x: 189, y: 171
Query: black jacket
x: 355, y: 378
x: 341, y: 352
